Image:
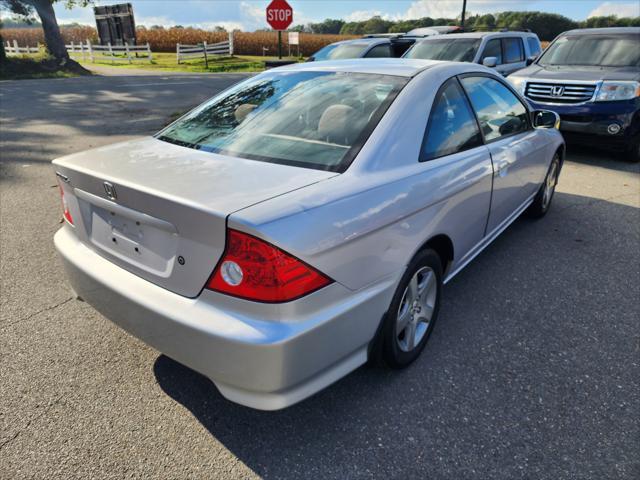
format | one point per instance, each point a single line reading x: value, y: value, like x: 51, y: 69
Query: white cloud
x: 614, y: 8
x: 361, y: 15
x: 453, y: 8
x: 150, y: 21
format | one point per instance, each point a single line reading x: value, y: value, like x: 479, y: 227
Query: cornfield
x: 164, y: 40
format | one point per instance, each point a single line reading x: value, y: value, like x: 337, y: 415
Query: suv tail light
x: 65, y: 207
x: 256, y: 270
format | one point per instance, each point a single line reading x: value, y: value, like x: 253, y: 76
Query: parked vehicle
x: 591, y: 78
x: 505, y: 51
x: 306, y: 219
x: 373, y: 46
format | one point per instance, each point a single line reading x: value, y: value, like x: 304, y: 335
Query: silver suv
x: 506, y: 51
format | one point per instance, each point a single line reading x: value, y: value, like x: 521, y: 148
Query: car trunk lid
x: 159, y: 210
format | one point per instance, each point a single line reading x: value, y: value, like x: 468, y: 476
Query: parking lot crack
x: 38, y: 312
x: 30, y: 422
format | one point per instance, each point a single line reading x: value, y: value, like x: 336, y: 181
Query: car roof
x: 480, y: 35
x: 400, y: 67
x: 603, y: 31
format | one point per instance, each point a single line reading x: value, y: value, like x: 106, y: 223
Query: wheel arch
x: 443, y: 246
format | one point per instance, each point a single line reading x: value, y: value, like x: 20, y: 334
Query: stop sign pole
x: 279, y: 16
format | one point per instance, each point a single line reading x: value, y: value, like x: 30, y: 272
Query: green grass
x: 168, y: 62
x: 39, y: 65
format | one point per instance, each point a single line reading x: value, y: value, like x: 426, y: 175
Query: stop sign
x: 279, y: 14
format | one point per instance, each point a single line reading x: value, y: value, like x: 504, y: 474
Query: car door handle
x: 502, y: 167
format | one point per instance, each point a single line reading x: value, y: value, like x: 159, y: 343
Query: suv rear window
x: 309, y: 119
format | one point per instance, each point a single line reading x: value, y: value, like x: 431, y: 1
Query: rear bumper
x: 263, y: 356
x: 589, y: 122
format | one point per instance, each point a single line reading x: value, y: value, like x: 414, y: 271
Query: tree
x: 330, y: 25
x: 44, y: 9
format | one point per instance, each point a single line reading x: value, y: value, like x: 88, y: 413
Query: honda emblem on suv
x: 557, y: 91
x: 110, y: 190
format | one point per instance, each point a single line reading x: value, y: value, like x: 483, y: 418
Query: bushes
x: 164, y: 40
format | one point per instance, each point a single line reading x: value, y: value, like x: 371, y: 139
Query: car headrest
x: 335, y: 122
x: 242, y: 111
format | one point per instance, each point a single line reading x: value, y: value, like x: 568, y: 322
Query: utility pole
x: 464, y: 9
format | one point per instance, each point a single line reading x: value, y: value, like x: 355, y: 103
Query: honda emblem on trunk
x: 110, y: 190
x: 557, y: 91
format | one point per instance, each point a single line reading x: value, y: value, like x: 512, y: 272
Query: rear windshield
x: 619, y: 50
x: 453, y: 50
x: 340, y: 51
x: 310, y: 119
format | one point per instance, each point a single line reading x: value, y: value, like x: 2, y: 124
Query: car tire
x: 542, y: 201
x: 413, y: 311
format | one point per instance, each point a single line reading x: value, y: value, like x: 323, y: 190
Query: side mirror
x: 545, y: 119
x: 531, y: 59
x: 311, y: 59
x: 490, y: 62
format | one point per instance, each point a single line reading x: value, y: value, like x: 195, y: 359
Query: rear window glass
x: 534, y: 46
x: 453, y: 50
x: 340, y: 51
x: 513, y: 50
x: 310, y: 119
x: 379, y: 51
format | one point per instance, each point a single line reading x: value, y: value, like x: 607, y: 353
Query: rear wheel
x: 542, y: 201
x: 413, y: 311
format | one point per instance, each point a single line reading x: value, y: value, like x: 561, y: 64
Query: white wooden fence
x: 15, y: 49
x: 115, y: 53
x: 204, y: 50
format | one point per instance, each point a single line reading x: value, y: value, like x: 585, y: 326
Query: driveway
x: 532, y: 370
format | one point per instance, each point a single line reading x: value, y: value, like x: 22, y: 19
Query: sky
x: 249, y: 15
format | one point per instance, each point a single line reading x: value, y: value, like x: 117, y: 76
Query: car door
x: 512, y: 142
x: 513, y: 57
x: 453, y: 147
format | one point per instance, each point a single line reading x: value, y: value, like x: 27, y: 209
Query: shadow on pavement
x: 530, y: 369
x: 600, y: 157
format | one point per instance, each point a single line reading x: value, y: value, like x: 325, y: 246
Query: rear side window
x: 452, y: 126
x: 513, y: 50
x: 499, y: 111
x: 493, y: 49
x: 534, y: 46
x: 379, y: 51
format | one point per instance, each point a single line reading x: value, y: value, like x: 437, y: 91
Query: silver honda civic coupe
x: 305, y: 220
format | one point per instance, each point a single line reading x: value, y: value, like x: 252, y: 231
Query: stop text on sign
x: 279, y: 15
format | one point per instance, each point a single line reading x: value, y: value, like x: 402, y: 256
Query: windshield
x: 452, y: 49
x: 620, y: 50
x: 310, y: 119
x: 340, y: 51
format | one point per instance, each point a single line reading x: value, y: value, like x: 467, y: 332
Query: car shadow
x: 600, y: 157
x: 511, y: 381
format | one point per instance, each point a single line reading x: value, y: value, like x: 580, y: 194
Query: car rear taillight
x: 65, y: 207
x: 253, y: 269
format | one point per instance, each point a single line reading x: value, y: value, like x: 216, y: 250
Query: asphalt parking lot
x: 532, y: 372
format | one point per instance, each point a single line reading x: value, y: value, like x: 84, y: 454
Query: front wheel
x: 413, y: 310
x: 542, y: 201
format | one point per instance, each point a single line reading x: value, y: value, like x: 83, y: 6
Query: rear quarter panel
x: 365, y: 225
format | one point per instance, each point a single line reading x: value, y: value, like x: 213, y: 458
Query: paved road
x: 532, y: 371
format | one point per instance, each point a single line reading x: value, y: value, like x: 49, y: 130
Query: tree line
x: 546, y: 25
